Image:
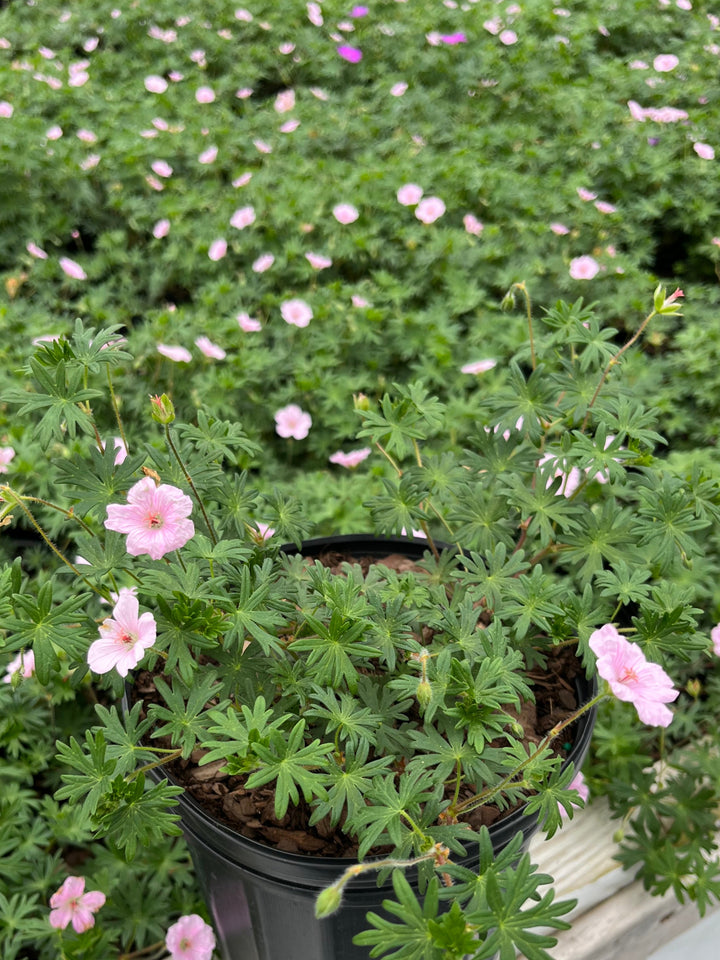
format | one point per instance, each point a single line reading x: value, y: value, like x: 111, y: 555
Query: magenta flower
x: 6, y: 455
x: 174, y: 353
x: 293, y: 422
x: 584, y: 268
x: 352, y: 459
x: 124, y: 637
x: 452, y: 38
x: 296, y: 312
x: 430, y: 209
x: 23, y: 663
x: 210, y: 349
x: 72, y: 269
x: 70, y: 904
x: 359, y: 11
x: 190, y: 939
x: 631, y: 677
x: 155, y: 519
x: 351, y: 54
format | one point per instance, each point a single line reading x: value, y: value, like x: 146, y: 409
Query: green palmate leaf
x: 345, y: 720
x: 384, y: 818
x: 124, y: 735
x: 93, y: 488
x: 253, y: 611
x: 492, y: 574
x: 532, y: 399
x: 348, y: 782
x: 43, y: 625
x: 412, y: 938
x: 132, y: 815
x: 334, y: 647
x: 414, y: 416
x: 218, y: 439
x: 184, y: 717
x: 667, y: 522
x: 604, y: 535
x: 623, y: 583
x: 400, y: 507
x: 95, y: 771
x: 532, y: 600
x: 236, y: 730
x: 540, y: 503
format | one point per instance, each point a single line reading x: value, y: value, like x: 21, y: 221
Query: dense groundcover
x: 294, y: 204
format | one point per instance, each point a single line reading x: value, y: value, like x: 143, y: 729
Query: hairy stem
x: 190, y: 483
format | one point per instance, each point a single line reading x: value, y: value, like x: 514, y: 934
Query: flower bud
x: 424, y: 694
x: 360, y: 401
x: 508, y: 301
x: 694, y: 688
x: 664, y: 304
x: 162, y: 408
x: 327, y: 902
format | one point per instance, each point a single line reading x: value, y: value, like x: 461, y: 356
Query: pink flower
x: 289, y: 126
x: 570, y: 479
x: 242, y: 218
x: 204, y: 94
x: 210, y: 349
x: 285, y: 101
x: 409, y: 194
x: 704, y: 150
x: 162, y: 168
x: 452, y: 38
x: 472, y: 224
x: 54, y: 132
x: 190, y: 939
x: 586, y: 195
x: 665, y: 62
x: 479, y: 366
x: 72, y: 269
x: 631, y: 677
x: 121, y: 451
x: 296, y: 312
x: 248, y: 323
x: 70, y: 904
x: 351, y: 54
x: 155, y: 519
x: 243, y: 179
x: 208, y: 156
x: 243, y: 93
x: 244, y: 15
x: 359, y: 12
x: 155, y: 84
x: 715, y: 636
x: 291, y: 421
x: 584, y: 268
x: 493, y: 26
x: 124, y: 637
x: 262, y: 146
x: 23, y: 663
x: 398, y: 89
x: 263, y: 263
x: 6, y: 455
x: 314, y: 12
x: 345, y: 213
x: 174, y: 353
x: 559, y: 229
x: 359, y: 302
x: 264, y: 532
x: 508, y: 37
x: 604, y: 207
x: 577, y: 783
x: 317, y: 261
x: 217, y: 249
x: 352, y: 459
x: 430, y: 209
x: 161, y: 229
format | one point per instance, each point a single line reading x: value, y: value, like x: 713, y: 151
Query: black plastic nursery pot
x: 262, y: 899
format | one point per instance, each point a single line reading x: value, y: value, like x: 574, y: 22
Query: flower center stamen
x: 628, y: 676
x: 154, y: 521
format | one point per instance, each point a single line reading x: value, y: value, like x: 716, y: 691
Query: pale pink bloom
x: 318, y: 261
x: 413, y: 533
x: 47, y: 338
x: 286, y: 48
x: 559, y: 228
x: 716, y: 241
x: 479, y: 366
x: 162, y: 168
x: 314, y: 12
x: 296, y: 312
x: 604, y: 207
x: 638, y: 65
x: 175, y: 76
x: 243, y: 93
x: 584, y: 268
x: 174, y: 353
x: 508, y: 37
x: 318, y: 93
x: 285, y: 101
x: 23, y: 663
x: 121, y: 451
x: 148, y: 134
x: 87, y: 136
x: 242, y: 218
x: 209, y: 155
x: 210, y: 349
x: 90, y: 44
x: 631, y: 677
x: 571, y: 479
x: 262, y: 146
x: 586, y: 195
x: 351, y: 54
x: 430, y: 209
x: 154, y: 183
x: 54, y: 132
x: 666, y: 114
x: 359, y: 302
x: 225, y: 34
x: 156, y: 519
x: 636, y: 111
x: 243, y: 179
x: 263, y: 263
x: 352, y: 459
x: 715, y: 636
x: 398, y: 89
x: 665, y: 62
x: 90, y: 162
x: 204, y: 94
x: 493, y: 26
x: 46, y: 53
x: 124, y: 637
x: 473, y: 225
x: 264, y: 531
x: 78, y: 79
x: 6, y: 455
x: 72, y: 269
x: 82, y: 562
x: 345, y: 213
x: 198, y: 56
x: 577, y: 783
x: 155, y: 84
x: 218, y: 249
x: 704, y: 150
x: 35, y: 251
x: 289, y: 126
x: 243, y: 15
x: 409, y: 194
x: 70, y: 904
x: 161, y: 229
x: 191, y: 938
x: 248, y: 323
x: 683, y: 4
x: 293, y: 422
x: 433, y: 38
x: 167, y: 36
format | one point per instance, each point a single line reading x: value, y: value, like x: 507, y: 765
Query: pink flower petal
x: 174, y: 353
x: 72, y: 269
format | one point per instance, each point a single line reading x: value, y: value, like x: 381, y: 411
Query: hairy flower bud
x: 424, y: 694
x: 162, y: 408
x: 327, y: 902
x: 360, y: 402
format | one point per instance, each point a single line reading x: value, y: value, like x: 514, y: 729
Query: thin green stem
x: 190, y: 483
x: 174, y: 755
x: 387, y: 456
x: 70, y: 514
x: 528, y: 307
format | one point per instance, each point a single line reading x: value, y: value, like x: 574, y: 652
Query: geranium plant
x: 387, y: 704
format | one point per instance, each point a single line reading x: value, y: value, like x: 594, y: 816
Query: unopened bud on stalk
x: 508, y: 301
x: 694, y: 688
x: 328, y: 901
x: 424, y: 694
x: 162, y: 408
x: 664, y: 304
x: 360, y: 401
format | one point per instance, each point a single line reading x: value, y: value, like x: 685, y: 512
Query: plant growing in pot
x: 397, y: 704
